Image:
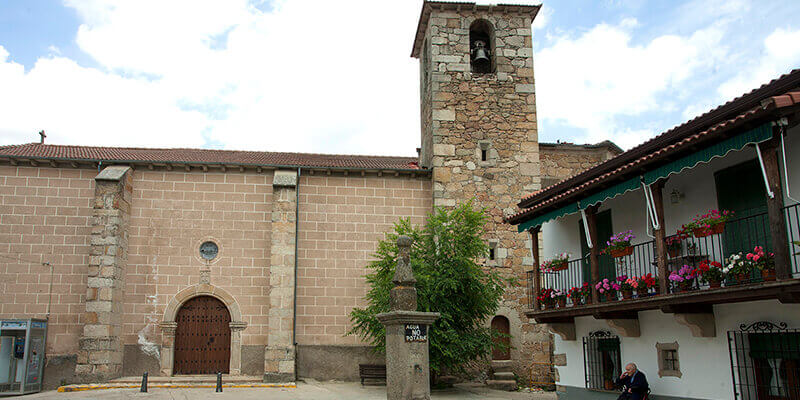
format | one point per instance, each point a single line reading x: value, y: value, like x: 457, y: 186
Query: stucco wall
x: 45, y: 216
x: 341, y: 221
x: 704, y: 362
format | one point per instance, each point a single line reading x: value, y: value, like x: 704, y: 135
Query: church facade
x: 191, y: 261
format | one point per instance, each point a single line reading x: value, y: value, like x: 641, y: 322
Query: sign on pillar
x: 407, y: 361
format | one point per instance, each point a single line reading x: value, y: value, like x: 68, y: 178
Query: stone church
x: 193, y: 261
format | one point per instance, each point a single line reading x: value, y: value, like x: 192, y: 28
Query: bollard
x: 144, y: 383
x: 219, y: 382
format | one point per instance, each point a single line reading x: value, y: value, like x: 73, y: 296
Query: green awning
x: 566, y: 210
x: 721, y: 149
x: 775, y: 345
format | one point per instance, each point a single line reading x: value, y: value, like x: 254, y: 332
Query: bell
x: 480, y: 56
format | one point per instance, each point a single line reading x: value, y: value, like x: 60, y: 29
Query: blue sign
x: 13, y: 325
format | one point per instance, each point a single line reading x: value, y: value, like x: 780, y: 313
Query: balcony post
x: 537, y: 280
x: 594, y: 254
x: 777, y: 222
x: 660, y: 234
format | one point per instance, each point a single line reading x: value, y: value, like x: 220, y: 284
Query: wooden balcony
x: 693, y: 305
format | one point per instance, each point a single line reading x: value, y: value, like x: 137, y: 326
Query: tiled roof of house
x: 662, y: 145
x: 204, y: 156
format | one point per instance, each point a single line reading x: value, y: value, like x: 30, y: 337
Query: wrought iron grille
x: 765, y: 361
x: 602, y: 362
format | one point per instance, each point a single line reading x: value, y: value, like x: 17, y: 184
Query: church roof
x: 209, y: 157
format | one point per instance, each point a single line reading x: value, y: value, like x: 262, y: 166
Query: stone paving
x: 305, y: 391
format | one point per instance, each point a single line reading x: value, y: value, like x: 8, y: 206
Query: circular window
x: 209, y: 250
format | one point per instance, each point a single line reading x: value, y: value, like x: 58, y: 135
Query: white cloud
x: 591, y: 80
x: 543, y: 17
x: 308, y: 76
x: 781, y: 53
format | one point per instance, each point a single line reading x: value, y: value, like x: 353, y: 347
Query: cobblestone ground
x: 304, y: 391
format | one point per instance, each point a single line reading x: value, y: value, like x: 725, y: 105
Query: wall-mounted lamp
x: 676, y: 196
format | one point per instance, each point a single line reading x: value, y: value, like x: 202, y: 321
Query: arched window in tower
x: 480, y: 47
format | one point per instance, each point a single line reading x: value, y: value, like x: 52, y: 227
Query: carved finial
x: 403, y: 276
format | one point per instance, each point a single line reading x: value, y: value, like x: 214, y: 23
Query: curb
x: 81, y: 388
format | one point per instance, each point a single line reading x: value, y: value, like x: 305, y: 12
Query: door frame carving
x: 168, y: 325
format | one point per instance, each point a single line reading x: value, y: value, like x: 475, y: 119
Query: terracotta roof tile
x: 204, y: 156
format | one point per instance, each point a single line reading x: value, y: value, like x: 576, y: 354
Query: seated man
x: 634, y: 383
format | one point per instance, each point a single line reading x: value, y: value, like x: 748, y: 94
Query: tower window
x: 491, y: 253
x: 480, y: 47
x: 483, y: 154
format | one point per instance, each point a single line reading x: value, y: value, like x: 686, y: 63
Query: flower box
x: 625, y: 251
x: 562, y: 302
x: 558, y: 266
x: 768, y: 274
x: 713, y: 230
x: 627, y: 294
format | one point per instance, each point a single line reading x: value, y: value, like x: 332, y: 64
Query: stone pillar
x: 100, y: 354
x: 279, y: 355
x: 168, y: 347
x: 407, y: 362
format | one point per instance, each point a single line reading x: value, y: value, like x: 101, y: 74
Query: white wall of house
x: 704, y: 362
x: 696, y: 184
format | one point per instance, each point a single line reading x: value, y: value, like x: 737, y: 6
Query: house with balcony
x: 680, y: 257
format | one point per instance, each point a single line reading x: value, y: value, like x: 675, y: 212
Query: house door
x: 502, y: 326
x: 203, y: 337
x: 604, y: 232
x: 741, y: 189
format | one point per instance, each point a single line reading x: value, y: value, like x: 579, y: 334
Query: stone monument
x: 407, y: 364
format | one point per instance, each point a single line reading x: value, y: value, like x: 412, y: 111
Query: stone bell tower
x: 479, y: 136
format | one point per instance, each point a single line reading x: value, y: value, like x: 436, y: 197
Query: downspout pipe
x: 296, y: 241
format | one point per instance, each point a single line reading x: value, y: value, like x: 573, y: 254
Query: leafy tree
x: 449, y: 281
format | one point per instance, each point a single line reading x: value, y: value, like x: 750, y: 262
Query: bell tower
x: 479, y: 136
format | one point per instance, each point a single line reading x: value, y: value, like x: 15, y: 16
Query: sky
x: 327, y: 76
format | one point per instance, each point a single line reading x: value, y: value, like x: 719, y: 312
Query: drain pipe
x: 296, y: 240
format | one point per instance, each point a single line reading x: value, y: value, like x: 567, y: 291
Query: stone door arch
x: 169, y: 326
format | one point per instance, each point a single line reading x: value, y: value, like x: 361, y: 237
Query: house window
x: 602, y: 362
x: 668, y: 364
x: 765, y: 361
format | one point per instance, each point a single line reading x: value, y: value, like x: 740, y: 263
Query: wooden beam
x: 537, y: 280
x: 13, y: 162
x: 594, y: 254
x: 34, y: 163
x: 660, y: 235
x: 777, y: 221
x: 73, y: 164
x: 53, y: 164
x: 687, y: 309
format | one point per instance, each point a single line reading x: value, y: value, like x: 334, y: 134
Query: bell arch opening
x: 481, y: 47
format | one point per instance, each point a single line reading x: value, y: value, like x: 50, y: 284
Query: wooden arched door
x: 203, y: 337
x: 502, y: 326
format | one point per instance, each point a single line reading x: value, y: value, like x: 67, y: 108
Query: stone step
x: 502, y: 385
x: 501, y: 365
x: 503, y: 376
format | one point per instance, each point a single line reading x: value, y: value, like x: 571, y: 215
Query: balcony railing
x: 741, y: 235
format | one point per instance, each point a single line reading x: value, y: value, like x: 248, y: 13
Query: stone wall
x: 492, y: 114
x: 45, y: 216
x: 342, y: 218
x: 560, y: 161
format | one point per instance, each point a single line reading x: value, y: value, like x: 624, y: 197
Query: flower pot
x: 701, y: 232
x: 656, y: 290
x: 768, y: 274
x: 625, y: 251
x: 718, y: 228
x: 611, y: 296
x: 641, y: 292
x: 742, y: 278
x: 685, y: 286
x: 577, y: 301
x: 559, y: 266
x: 674, y: 252
x: 562, y: 302
x: 714, y: 284
x: 627, y: 294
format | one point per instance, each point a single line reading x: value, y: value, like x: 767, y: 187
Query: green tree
x: 449, y: 281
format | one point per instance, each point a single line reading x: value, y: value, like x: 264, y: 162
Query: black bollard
x: 144, y: 383
x: 219, y: 382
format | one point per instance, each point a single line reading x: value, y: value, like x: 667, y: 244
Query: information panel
x: 416, y: 333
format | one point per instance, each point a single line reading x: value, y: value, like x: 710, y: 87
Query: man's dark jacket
x: 637, y: 382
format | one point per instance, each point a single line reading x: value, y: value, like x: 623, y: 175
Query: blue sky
x: 335, y: 77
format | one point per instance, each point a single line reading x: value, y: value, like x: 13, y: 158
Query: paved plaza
x: 304, y: 391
